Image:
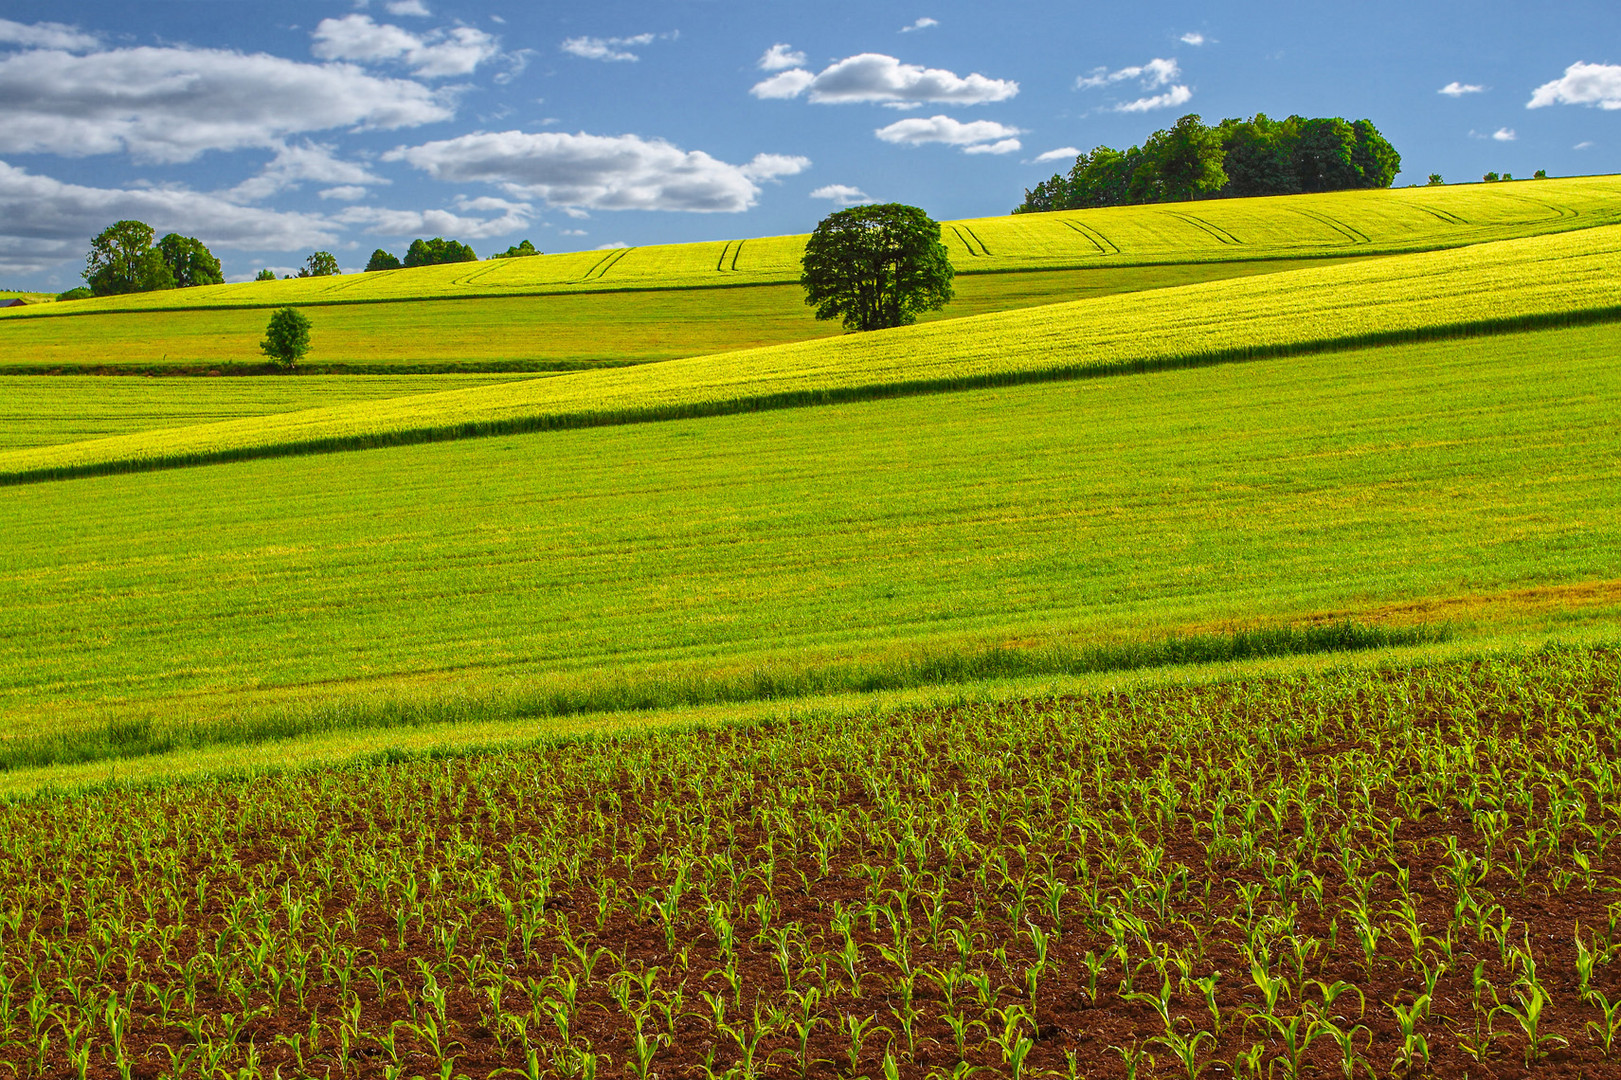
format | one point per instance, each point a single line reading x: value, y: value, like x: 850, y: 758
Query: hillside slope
x: 1547, y: 280
x: 1332, y: 224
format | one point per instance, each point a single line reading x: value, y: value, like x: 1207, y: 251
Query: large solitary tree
x: 123, y: 260
x: 876, y: 267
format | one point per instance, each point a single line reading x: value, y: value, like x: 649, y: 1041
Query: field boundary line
x: 791, y: 399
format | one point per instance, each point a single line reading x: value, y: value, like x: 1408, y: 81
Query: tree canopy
x: 320, y: 264
x: 1236, y: 158
x: 190, y: 261
x: 287, y: 338
x: 123, y: 260
x: 382, y: 260
x: 876, y: 267
x: 517, y: 251
x: 436, y: 251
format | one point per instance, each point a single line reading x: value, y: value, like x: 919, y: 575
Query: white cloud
x: 615, y: 246
x: 1063, y: 153
x: 1001, y: 146
x: 293, y: 165
x: 1504, y: 134
x: 771, y: 166
x: 876, y: 78
x: 1193, y: 37
x: 598, y: 172
x: 780, y: 56
x: 344, y: 192
x: 1458, y: 89
x: 408, y: 7
x: 172, y: 104
x: 609, y: 49
x: 921, y: 24
x: 572, y: 232
x: 1155, y: 73
x: 1176, y: 95
x: 454, y: 51
x: 378, y: 221
x: 44, y: 222
x: 1582, y: 84
x: 47, y: 35
x: 975, y: 137
x: 786, y: 84
x: 1584, y: 145
x: 1150, y: 76
x: 842, y: 194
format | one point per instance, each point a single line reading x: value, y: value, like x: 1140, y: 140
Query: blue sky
x: 270, y: 130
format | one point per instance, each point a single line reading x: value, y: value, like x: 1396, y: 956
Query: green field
x: 983, y: 696
x: 529, y: 333
x: 1126, y: 507
x: 1549, y: 280
x: 1335, y: 225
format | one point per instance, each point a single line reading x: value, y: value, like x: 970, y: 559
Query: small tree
x: 1435, y: 179
x: 266, y: 274
x: 1489, y: 178
x: 320, y: 264
x: 517, y: 251
x: 876, y: 267
x: 382, y: 260
x: 287, y: 338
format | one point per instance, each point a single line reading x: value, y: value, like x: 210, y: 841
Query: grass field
x: 1539, y: 281
x: 874, y: 532
x: 530, y: 333
x: 42, y: 412
x: 1335, y: 225
x: 1214, y: 674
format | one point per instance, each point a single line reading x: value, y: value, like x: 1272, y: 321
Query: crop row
x: 1338, y: 223
x: 1543, y: 281
x: 1330, y: 875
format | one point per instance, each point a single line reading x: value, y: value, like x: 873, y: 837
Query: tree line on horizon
x: 1234, y: 159
x: 124, y: 258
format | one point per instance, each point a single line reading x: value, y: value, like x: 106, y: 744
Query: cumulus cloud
x: 459, y: 222
x: 1193, y: 37
x: 609, y: 49
x: 975, y: 137
x: 1504, y: 134
x: 307, y: 161
x: 786, y: 84
x: 453, y: 51
x: 47, y: 35
x: 344, y: 192
x: 172, y: 104
x: 921, y: 24
x: 1176, y: 95
x: 44, y: 222
x: 880, y: 79
x: 842, y: 195
x: 780, y: 56
x: 1063, y: 153
x: 408, y: 7
x: 1458, y: 89
x: 598, y: 172
x: 1582, y: 84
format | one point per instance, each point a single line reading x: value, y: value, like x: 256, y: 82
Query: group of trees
x: 1237, y: 158
x: 124, y: 259
x: 424, y: 253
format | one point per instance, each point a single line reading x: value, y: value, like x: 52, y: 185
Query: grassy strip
x: 130, y: 739
x: 1543, y: 282
x: 792, y: 399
